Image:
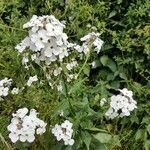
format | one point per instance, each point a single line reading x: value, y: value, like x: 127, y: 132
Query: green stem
x: 87, y: 57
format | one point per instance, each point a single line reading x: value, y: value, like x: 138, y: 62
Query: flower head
x: 24, y: 125
x: 122, y: 104
x: 64, y: 132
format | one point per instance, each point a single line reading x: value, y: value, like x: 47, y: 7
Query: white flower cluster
x: 4, y: 86
x: 122, y: 104
x: 91, y: 39
x: 23, y: 127
x: 31, y: 80
x: 46, y: 39
x: 47, y: 45
x: 64, y: 132
x: 71, y: 65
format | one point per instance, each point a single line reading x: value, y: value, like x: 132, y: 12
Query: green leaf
x: 115, y: 84
x: 96, y: 145
x: 123, y: 76
x: 103, y: 137
x: 104, y: 60
x: 112, y: 14
x: 96, y: 129
x: 108, y: 62
x: 115, y: 141
x: 147, y: 145
x: 139, y: 134
x: 112, y: 65
x: 110, y: 77
x: 146, y: 120
x: 86, y: 70
x: 148, y: 128
x: 86, y: 137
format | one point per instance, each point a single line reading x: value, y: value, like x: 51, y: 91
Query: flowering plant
x: 82, y: 75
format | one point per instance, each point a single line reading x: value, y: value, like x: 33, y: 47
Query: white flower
x: 69, y: 142
x: 24, y: 126
x: 126, y: 92
x: 64, y: 132
x: 102, y: 102
x: 20, y: 113
x: 71, y: 65
x: 60, y: 87
x: 67, y: 124
x: 31, y: 80
x: 94, y: 28
x: 93, y: 64
x: 94, y: 39
x: 61, y: 113
x: 70, y: 77
x: 33, y: 57
x: 4, y: 86
x: 37, y: 40
x: 25, y: 60
x: 121, y: 105
x: 57, y: 71
x: 15, y: 91
x: 78, y: 48
x: 23, y: 45
x: 88, y: 25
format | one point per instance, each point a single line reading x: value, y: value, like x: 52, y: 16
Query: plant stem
x: 87, y: 57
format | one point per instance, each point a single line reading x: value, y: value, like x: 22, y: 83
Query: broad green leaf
x: 104, y: 60
x: 139, y: 134
x: 115, y: 84
x: 86, y: 137
x: 103, y: 137
x: 96, y: 145
x: 110, y: 77
x: 123, y: 76
x: 112, y: 65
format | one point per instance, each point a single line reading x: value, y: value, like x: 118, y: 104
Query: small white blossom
x: 5, y: 86
x: 93, y: 64
x: 102, y: 102
x: 31, y: 80
x: 15, y: 91
x: 24, y: 125
x: 61, y: 113
x: 71, y: 65
x: 70, y: 77
x: 94, y: 39
x: 25, y: 60
x: 57, y: 71
x: 94, y: 28
x: 88, y: 25
x: 60, y: 87
x: 64, y: 132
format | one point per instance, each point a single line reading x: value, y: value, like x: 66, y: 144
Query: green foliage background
x: 123, y: 62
